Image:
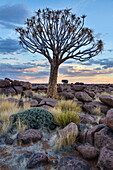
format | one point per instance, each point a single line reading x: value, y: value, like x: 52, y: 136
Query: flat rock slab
x: 29, y: 136
x: 73, y: 163
x: 37, y: 159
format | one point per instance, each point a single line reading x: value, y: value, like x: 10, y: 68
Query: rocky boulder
x: 33, y: 103
x: 28, y: 93
x: 109, y: 119
x: 91, y: 133
x: 37, y: 159
x: 28, y: 136
x: 27, y: 86
x: 86, y: 118
x: 66, y: 95
x: 105, y: 160
x: 49, y: 101
x: 95, y: 106
x: 16, y: 83
x: 4, y: 83
x: 103, y: 137
x: 108, y: 100
x: 87, y: 151
x: 78, y: 87
x: 73, y: 162
x: 18, y: 89
x: 83, y: 96
x: 70, y: 128
x: 8, y: 91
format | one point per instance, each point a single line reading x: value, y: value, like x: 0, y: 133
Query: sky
x: 19, y: 64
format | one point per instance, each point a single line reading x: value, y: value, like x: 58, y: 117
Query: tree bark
x: 52, y: 86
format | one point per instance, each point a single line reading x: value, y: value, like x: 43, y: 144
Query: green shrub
x: 35, y: 118
x: 66, y: 112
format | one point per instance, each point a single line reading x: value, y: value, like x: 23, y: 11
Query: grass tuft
x: 6, y: 110
x: 66, y: 112
x: 66, y: 137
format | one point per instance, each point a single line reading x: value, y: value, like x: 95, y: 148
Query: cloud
x: 10, y: 58
x: 14, y: 14
x: 84, y: 71
x: 105, y: 63
x: 110, y: 50
x: 9, y: 46
x: 23, y: 70
x: 7, y: 25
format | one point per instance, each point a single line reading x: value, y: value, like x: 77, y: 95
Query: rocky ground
x: 34, y: 149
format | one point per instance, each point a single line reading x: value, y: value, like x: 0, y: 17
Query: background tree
x: 59, y: 35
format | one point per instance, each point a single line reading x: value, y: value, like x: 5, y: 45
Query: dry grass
x: 20, y: 126
x: 97, y: 110
x: 103, y: 93
x: 66, y: 138
x: 66, y: 112
x: 6, y: 110
x: 44, y: 94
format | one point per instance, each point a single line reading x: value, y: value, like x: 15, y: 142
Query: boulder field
x: 35, y: 148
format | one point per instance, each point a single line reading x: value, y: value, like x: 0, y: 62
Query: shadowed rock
x: 73, y: 163
x: 29, y: 136
x: 37, y: 159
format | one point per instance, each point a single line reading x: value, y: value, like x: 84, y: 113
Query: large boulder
x: 33, y: 103
x: 105, y: 160
x: 91, y: 133
x: 4, y: 83
x: 78, y: 87
x: 37, y: 159
x: 28, y: 93
x: 16, y: 83
x: 103, y: 137
x: 95, y: 106
x: 12, y: 100
x: 73, y: 162
x: 18, y: 89
x: 66, y: 95
x: 27, y: 86
x: 86, y: 118
x: 38, y: 98
x: 49, y: 101
x: 8, y: 91
x: 83, y: 96
x: 108, y: 100
x: 87, y: 151
x: 109, y: 119
x: 40, y: 88
x: 28, y: 136
x: 45, y: 101
x: 91, y: 93
x: 67, y: 136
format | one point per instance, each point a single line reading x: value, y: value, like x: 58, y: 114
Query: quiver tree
x: 59, y: 35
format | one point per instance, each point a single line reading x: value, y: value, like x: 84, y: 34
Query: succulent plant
x: 34, y: 118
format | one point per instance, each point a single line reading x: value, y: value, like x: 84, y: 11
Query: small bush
x: 35, y: 118
x: 66, y: 112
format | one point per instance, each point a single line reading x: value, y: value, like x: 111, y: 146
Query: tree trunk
x: 52, y: 86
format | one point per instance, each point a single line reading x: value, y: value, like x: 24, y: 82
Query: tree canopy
x: 59, y: 35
